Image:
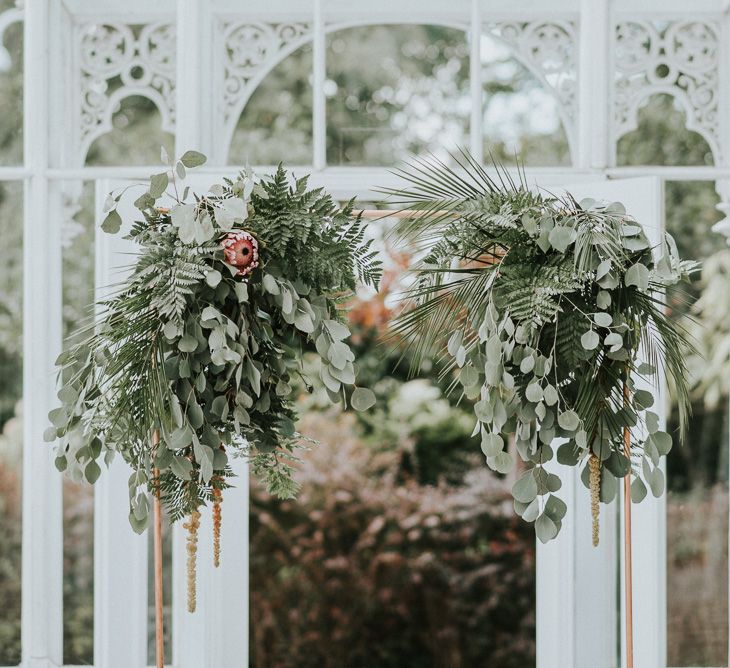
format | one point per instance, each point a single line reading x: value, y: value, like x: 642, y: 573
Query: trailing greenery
x: 201, y: 345
x: 549, y: 313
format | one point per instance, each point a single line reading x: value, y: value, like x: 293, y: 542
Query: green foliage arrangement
x: 550, y: 313
x: 201, y: 345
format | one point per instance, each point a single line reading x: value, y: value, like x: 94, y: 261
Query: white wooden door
x: 579, y: 590
x: 216, y: 635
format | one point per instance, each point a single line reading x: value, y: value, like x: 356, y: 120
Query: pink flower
x: 241, y: 250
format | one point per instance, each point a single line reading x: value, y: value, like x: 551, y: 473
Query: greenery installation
x: 551, y: 311
x: 201, y: 346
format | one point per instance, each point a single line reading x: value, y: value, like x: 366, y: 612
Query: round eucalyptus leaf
x: 493, y: 349
x: 534, y: 392
x: 525, y: 488
x: 527, y: 364
x: 187, y: 344
x: 454, y: 342
x: 213, y: 277
x: 637, y: 275
x: 550, y: 395
x: 646, y: 369
x: 483, y: 410
x: 601, y: 448
x: 555, y: 508
x: 181, y: 467
x: 656, y: 482
x: 532, y: 511
x: 569, y: 420
x: 651, y: 452
x: 590, y: 340
x: 602, y: 319
x: 501, y: 463
x: 492, y: 444
x: 568, y: 454
x: 195, y: 414
x: 638, y: 490
x: 663, y: 442
x: 618, y: 464
x: 339, y: 355
x: 603, y: 268
x: 652, y: 422
x: 362, y: 399
x: 561, y: 237
x: 330, y: 382
x: 92, y: 472
x: 603, y: 299
x: 336, y: 330
x: 644, y: 398
x: 546, y: 435
x: 545, y: 528
x: 609, y: 487
x: 468, y: 376
x: 614, y: 341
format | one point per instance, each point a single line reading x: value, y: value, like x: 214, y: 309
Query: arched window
x: 662, y: 136
x: 395, y: 91
x: 277, y: 119
x: 135, y: 136
x: 391, y: 91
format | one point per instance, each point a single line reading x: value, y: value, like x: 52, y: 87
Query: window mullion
x: 319, y: 101
x: 475, y: 83
x: 42, y: 577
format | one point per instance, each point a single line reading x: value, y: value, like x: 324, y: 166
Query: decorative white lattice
x: 116, y: 60
x: 250, y: 52
x: 679, y: 58
x: 549, y: 49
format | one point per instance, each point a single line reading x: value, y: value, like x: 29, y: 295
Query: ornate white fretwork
x: 250, y: 52
x: 549, y: 49
x: 680, y: 58
x: 116, y: 60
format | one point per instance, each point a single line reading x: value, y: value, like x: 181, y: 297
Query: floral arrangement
x: 550, y: 315
x: 196, y: 357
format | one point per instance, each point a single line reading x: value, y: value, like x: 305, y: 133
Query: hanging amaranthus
x: 192, y: 525
x: 217, y: 498
x: 594, y: 466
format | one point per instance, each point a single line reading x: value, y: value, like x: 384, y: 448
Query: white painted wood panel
x: 42, y: 545
x: 120, y: 555
x: 578, y: 585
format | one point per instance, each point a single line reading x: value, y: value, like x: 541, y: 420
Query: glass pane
x: 697, y: 499
x: 11, y: 85
x: 136, y: 136
x: 401, y: 549
x: 11, y: 411
x: 662, y: 137
x: 276, y: 122
x: 78, y: 498
x: 521, y: 117
x: 395, y: 90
